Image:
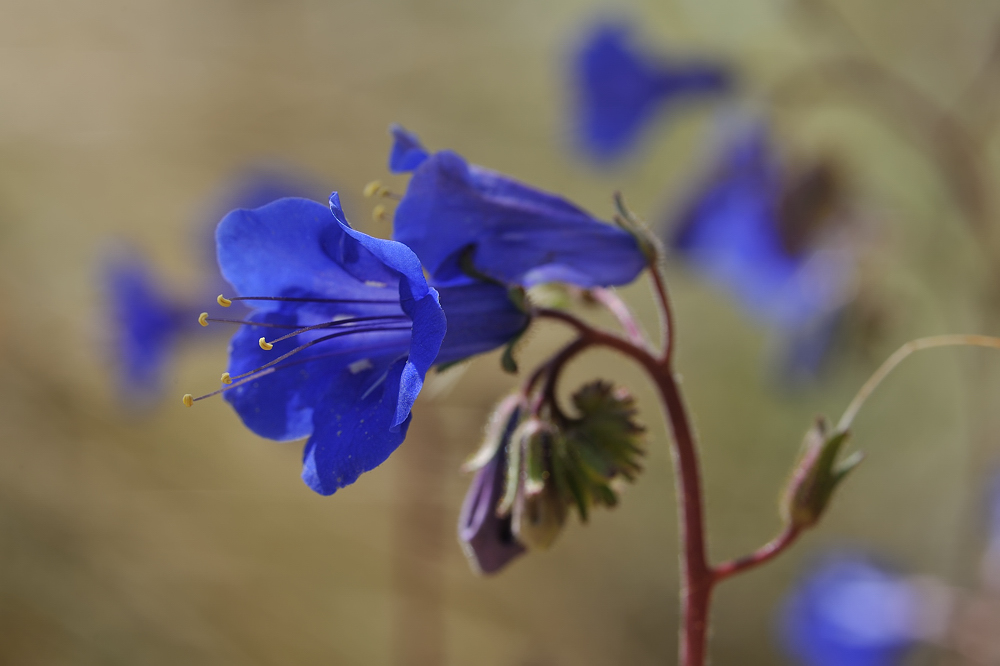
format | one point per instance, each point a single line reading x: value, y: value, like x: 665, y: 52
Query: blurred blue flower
x: 850, y: 612
x: 619, y: 89
x: 146, y: 325
x: 757, y: 232
x: 462, y: 220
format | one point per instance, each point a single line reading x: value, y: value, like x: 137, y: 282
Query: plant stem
x: 765, y: 553
x: 698, y: 578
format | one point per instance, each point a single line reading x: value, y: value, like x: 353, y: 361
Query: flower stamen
x: 312, y: 343
x: 296, y: 299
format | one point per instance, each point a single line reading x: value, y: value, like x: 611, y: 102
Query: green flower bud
x: 816, y: 475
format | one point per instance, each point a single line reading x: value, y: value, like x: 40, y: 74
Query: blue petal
x: 296, y: 245
x: 518, y: 235
x: 407, y: 152
x: 354, y: 432
x: 619, y: 89
x: 481, y: 317
x: 147, y: 325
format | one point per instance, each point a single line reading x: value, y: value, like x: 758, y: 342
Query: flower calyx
x: 555, y: 463
x: 816, y: 475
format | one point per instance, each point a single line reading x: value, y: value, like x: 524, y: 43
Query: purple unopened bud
x: 488, y: 540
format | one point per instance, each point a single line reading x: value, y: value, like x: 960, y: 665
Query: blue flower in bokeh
x: 756, y: 233
x: 462, y: 219
x: 618, y: 89
x: 147, y: 324
x: 850, y: 612
x: 352, y: 326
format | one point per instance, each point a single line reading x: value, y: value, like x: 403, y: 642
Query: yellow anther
x: 188, y: 399
x: 265, y: 345
x: 226, y: 379
x: 203, y: 319
x: 223, y: 301
x: 378, y: 213
x: 373, y: 189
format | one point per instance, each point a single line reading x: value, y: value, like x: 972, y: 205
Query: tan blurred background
x: 176, y: 536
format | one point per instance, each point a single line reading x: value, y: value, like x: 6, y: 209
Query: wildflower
x: 343, y: 329
x: 353, y: 327
x: 850, y: 612
x: 619, y: 89
x: 462, y: 220
x: 763, y: 236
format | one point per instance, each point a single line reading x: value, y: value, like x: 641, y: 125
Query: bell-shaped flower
x: 343, y: 329
x: 741, y: 233
x: 850, y: 612
x: 619, y: 88
x: 462, y: 220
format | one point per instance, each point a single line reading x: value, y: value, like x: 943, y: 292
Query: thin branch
x: 900, y: 354
x: 765, y: 553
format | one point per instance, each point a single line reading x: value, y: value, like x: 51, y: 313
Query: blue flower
x: 462, y: 219
x: 849, y: 612
x: 353, y: 328
x: 619, y: 89
x: 747, y: 232
x: 146, y: 325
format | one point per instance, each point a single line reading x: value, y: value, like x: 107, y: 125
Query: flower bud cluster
x: 551, y: 464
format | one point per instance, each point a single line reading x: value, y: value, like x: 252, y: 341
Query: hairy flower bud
x: 816, y: 475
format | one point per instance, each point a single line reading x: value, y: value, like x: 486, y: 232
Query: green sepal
x: 817, y: 475
x: 512, y: 478
x: 496, y: 428
x: 647, y: 241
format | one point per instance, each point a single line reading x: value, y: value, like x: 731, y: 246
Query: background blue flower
x: 509, y: 232
x: 735, y: 235
x: 618, y: 89
x: 146, y: 325
x: 849, y: 612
